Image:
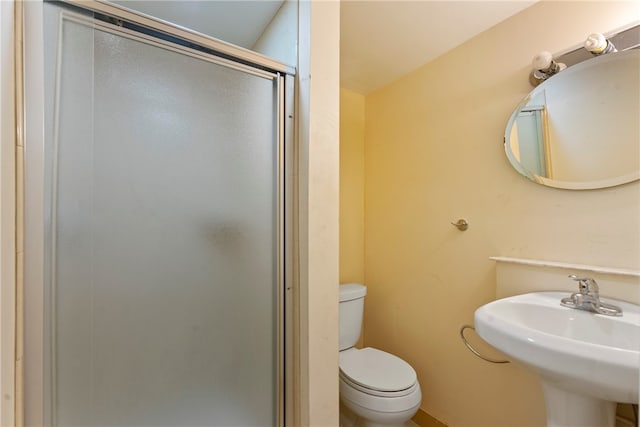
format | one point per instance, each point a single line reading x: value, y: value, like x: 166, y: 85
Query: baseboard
x: 624, y: 422
x: 425, y: 420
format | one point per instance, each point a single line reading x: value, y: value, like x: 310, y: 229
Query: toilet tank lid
x: 350, y: 291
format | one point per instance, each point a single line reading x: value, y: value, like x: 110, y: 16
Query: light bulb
x: 542, y: 60
x: 595, y: 43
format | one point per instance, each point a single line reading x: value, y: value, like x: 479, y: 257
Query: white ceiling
x: 383, y: 40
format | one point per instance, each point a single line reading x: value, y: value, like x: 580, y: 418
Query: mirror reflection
x: 580, y: 129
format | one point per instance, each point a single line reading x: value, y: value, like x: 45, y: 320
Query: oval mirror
x: 580, y: 129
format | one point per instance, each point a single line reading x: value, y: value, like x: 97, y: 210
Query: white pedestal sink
x: 587, y: 362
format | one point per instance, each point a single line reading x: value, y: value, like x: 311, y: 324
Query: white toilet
x: 376, y: 388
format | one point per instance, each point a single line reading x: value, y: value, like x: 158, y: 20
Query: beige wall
x: 319, y: 109
x: 434, y: 154
x: 351, y: 187
x: 279, y: 39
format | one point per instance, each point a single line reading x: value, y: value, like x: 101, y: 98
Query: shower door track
x: 220, y: 47
x: 123, y: 22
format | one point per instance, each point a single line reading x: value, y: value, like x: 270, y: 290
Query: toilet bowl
x: 380, y: 389
x: 376, y: 387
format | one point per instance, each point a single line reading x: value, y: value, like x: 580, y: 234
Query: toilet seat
x: 372, y: 392
x: 377, y: 373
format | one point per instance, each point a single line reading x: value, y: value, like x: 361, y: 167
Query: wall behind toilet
x: 352, y: 120
x: 433, y: 153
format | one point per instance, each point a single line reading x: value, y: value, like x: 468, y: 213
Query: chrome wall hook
x: 461, y: 225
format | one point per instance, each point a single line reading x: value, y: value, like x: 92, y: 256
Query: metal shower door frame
x: 34, y: 388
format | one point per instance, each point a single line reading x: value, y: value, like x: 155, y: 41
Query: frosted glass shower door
x: 163, y: 205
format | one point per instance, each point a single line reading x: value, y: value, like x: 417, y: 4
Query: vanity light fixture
x: 598, y: 44
x: 544, y: 66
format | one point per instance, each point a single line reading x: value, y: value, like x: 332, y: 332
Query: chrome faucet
x: 588, y: 298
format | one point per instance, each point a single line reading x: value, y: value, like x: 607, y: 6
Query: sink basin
x: 586, y: 361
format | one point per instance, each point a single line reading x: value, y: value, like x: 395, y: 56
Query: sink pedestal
x: 569, y: 409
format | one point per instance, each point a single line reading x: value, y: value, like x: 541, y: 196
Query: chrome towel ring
x: 473, y: 350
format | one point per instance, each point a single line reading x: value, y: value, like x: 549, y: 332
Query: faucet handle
x: 587, y: 285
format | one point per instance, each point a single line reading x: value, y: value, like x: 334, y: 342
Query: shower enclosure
x: 155, y: 197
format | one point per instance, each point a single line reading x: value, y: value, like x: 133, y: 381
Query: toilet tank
x: 351, y: 310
